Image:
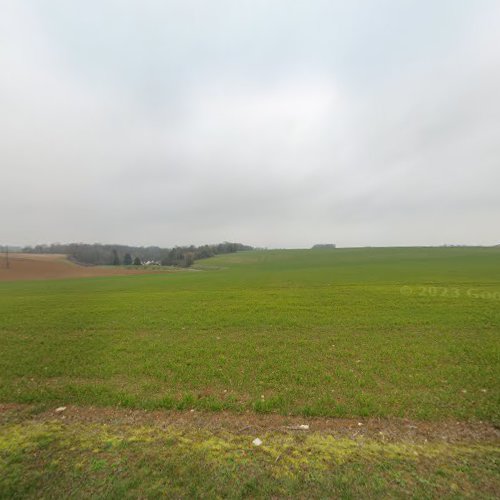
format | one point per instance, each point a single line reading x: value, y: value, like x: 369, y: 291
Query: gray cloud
x: 271, y: 123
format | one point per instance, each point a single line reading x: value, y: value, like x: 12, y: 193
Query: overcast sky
x: 272, y: 123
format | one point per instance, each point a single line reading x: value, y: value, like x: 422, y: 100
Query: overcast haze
x: 272, y: 123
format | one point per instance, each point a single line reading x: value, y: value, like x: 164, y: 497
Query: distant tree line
x: 324, y: 246
x: 99, y: 254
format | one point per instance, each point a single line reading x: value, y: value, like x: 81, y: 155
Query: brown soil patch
x: 385, y: 430
x: 54, y: 266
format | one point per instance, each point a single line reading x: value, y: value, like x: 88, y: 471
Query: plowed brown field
x: 54, y: 266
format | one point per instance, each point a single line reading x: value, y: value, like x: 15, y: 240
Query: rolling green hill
x: 390, y: 332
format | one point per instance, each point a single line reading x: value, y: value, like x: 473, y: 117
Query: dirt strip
x: 387, y: 430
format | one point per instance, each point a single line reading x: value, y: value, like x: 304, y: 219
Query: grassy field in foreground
x: 49, y: 458
x: 350, y: 332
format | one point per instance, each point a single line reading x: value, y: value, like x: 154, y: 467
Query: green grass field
x: 362, y: 333
x: 314, y: 332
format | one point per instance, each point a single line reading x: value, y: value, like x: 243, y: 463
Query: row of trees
x: 324, y: 246
x: 99, y: 254
x: 127, y: 259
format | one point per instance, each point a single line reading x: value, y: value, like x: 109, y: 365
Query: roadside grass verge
x: 109, y: 458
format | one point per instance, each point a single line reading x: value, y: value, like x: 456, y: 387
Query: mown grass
x: 87, y: 460
x: 302, y: 332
